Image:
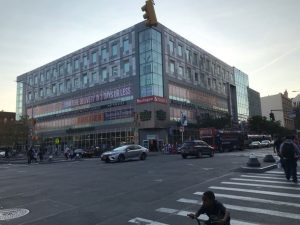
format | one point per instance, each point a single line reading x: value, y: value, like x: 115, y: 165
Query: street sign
x: 181, y: 129
x: 56, y: 141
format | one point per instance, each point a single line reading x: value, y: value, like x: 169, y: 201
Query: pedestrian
x: 30, y: 155
x: 276, y: 148
x: 290, y: 153
x: 67, y: 152
x: 214, y: 209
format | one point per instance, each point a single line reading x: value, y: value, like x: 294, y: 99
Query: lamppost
x: 32, y: 99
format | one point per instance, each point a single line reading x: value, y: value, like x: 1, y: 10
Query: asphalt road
x: 157, y: 191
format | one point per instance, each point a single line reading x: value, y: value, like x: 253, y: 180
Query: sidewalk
x: 22, y: 159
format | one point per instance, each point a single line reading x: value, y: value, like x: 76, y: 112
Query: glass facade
x: 19, y: 103
x: 150, y: 53
x: 242, y: 84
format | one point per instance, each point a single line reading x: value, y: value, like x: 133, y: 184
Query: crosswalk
x: 252, y: 199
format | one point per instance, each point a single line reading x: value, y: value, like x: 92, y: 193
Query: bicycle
x: 214, y: 222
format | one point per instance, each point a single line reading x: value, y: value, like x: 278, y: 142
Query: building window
x: 94, y: 57
x: 114, y: 50
x: 69, y: 68
x: 115, y: 72
x: 48, y: 75
x: 41, y: 92
x: 85, y: 79
x: 29, y: 97
x: 171, y: 45
x: 53, y: 88
x: 188, y: 55
x: 180, y: 50
x: 180, y: 71
x: 126, y: 67
x: 214, y: 84
x: 61, y: 88
x: 42, y: 77
x: 76, y: 64
x: 85, y: 61
x: 196, y: 77
x: 35, y: 79
x: 195, y: 59
x: 103, y: 53
x: 189, y: 73
x: 126, y: 45
x: 172, y: 67
x: 48, y: 91
x: 94, y: 77
x: 61, y: 70
x: 76, y: 82
x: 54, y: 73
x: 68, y: 84
x: 103, y: 75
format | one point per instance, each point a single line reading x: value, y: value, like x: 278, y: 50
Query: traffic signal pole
x: 149, y: 15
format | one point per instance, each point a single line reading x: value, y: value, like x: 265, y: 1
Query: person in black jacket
x: 214, y: 209
x: 290, y: 153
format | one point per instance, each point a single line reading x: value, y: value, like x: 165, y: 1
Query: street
x: 160, y: 190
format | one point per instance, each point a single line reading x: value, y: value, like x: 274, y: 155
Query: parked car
x: 80, y: 152
x: 2, y: 154
x: 196, y: 148
x: 125, y: 152
x: 255, y: 144
x: 265, y: 143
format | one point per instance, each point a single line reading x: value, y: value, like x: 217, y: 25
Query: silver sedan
x: 125, y: 152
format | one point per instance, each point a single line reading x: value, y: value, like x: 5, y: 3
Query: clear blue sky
x: 259, y: 37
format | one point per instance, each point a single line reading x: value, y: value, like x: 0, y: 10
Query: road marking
x: 272, y: 178
x: 250, y: 199
x: 264, y: 211
x: 201, y: 217
x: 9, y: 214
x: 275, y: 172
x: 256, y: 191
x: 250, y: 209
x: 263, y: 181
x: 263, y: 185
x: 140, y: 221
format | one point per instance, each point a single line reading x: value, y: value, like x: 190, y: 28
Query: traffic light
x: 272, y: 117
x: 149, y: 15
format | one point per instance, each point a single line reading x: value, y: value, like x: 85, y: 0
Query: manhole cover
x: 8, y: 214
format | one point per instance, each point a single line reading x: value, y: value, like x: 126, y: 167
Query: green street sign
x: 56, y: 141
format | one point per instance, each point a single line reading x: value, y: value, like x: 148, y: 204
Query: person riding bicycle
x: 214, y: 209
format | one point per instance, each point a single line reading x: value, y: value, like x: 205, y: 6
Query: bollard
x: 253, y: 161
x: 269, y: 158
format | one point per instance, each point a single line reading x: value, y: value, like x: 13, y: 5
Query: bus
x: 224, y: 140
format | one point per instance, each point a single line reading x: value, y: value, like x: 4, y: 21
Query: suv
x: 196, y: 148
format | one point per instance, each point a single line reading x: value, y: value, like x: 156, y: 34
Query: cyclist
x: 214, y: 209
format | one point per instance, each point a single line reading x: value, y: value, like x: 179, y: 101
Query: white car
x: 265, y: 143
x: 255, y: 144
x: 125, y: 152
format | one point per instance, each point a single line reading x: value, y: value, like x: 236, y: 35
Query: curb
x: 256, y: 169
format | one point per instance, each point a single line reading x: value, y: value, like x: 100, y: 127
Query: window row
x: 77, y: 63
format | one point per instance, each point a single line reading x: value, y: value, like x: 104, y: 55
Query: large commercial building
x: 281, y: 105
x: 133, y: 86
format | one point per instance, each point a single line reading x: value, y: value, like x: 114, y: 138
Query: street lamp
x: 32, y: 99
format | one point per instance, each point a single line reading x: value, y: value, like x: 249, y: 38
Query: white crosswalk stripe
x: 140, y: 221
x: 201, y: 217
x: 270, y: 188
x: 262, y: 185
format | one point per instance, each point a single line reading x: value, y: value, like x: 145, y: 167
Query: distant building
x: 281, y: 106
x: 254, y: 103
x: 7, y: 116
x: 296, y: 106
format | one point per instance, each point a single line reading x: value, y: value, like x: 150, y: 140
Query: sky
x: 259, y: 37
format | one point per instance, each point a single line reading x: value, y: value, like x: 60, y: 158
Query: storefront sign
x: 99, y: 96
x: 149, y: 99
